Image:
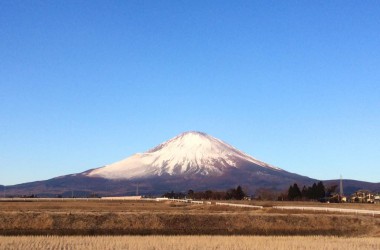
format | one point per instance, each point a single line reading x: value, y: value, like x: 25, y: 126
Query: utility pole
x: 4, y: 191
x: 137, y: 189
x: 341, y: 186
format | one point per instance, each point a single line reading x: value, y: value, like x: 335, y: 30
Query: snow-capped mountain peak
x: 186, y: 154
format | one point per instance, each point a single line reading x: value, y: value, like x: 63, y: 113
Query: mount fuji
x: 191, y: 160
x: 188, y: 154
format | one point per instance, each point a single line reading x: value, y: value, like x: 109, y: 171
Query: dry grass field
x: 312, y: 204
x: 95, y: 217
x: 143, y: 205
x: 188, y: 242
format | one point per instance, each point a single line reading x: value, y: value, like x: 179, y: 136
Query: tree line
x: 230, y: 194
x: 314, y: 192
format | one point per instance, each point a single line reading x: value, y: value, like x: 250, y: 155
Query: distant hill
x: 351, y: 186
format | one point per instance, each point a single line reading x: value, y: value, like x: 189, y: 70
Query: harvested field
x: 169, y: 218
x: 188, y: 242
x: 312, y: 204
x: 125, y: 205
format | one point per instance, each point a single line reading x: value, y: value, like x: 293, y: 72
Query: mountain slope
x: 190, y: 153
x: 191, y: 160
x: 351, y: 186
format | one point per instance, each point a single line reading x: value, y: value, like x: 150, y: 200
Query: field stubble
x: 188, y: 242
x: 168, y: 218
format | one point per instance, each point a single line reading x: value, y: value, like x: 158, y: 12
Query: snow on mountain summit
x: 186, y: 154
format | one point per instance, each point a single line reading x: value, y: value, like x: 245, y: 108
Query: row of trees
x: 314, y: 192
x: 230, y: 194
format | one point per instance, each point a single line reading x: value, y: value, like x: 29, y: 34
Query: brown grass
x: 147, y: 218
x: 188, y: 242
x: 366, y: 206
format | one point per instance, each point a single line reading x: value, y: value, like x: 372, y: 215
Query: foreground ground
x: 188, y: 242
x: 96, y: 217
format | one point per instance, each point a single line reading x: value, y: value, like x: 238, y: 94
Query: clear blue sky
x: 292, y: 83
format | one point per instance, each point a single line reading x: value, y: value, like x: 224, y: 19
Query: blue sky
x: 292, y: 83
